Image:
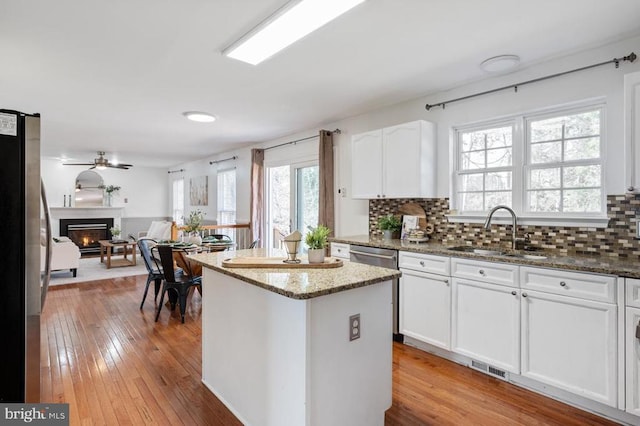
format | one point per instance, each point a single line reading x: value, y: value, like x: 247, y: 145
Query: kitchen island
x: 276, y: 346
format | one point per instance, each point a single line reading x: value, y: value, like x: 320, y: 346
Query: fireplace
x: 87, y: 232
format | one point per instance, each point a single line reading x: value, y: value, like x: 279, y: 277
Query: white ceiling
x: 117, y: 75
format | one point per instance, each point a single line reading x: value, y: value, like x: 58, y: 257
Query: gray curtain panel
x: 257, y: 195
x: 326, y: 214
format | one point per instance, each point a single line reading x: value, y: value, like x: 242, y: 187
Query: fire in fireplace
x: 87, y: 232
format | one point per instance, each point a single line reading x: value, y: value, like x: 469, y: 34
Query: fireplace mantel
x: 58, y: 213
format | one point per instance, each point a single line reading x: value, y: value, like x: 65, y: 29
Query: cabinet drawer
x: 632, y: 292
x: 574, y: 284
x: 425, y: 263
x: 340, y: 250
x: 490, y: 272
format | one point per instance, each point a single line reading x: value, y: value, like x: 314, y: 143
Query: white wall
x: 603, y: 82
x: 144, y: 188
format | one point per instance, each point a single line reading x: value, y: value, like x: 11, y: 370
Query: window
x: 553, y: 168
x: 486, y: 168
x: 564, y: 171
x: 227, y: 196
x: 178, y: 201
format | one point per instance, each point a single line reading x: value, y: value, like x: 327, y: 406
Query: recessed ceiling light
x: 201, y: 117
x: 500, y: 63
x: 289, y: 24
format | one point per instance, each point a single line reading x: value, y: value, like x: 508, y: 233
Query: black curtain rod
x: 631, y: 57
x: 176, y: 171
x: 225, y: 159
x: 337, y: 131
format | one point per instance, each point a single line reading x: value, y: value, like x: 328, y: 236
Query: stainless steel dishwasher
x: 385, y: 258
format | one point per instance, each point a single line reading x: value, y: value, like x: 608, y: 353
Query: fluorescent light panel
x: 288, y: 25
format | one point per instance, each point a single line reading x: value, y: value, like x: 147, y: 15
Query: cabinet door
x: 366, y: 165
x: 633, y: 361
x: 571, y: 344
x: 486, y: 323
x: 401, y: 160
x: 632, y: 130
x: 425, y: 307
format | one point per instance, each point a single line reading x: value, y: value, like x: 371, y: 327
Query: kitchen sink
x: 495, y: 252
x: 476, y: 250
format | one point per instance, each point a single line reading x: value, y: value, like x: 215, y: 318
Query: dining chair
x: 153, y: 269
x: 254, y: 244
x: 179, y: 281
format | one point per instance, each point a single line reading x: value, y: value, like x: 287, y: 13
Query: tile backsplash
x: 616, y: 240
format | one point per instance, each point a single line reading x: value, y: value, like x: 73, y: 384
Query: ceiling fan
x: 101, y: 163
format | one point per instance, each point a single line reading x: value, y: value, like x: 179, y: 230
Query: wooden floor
x: 114, y: 365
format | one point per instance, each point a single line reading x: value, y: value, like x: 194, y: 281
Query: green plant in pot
x: 390, y: 225
x: 193, y: 226
x: 316, y: 240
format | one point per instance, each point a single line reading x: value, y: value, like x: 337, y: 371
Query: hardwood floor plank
x: 115, y: 365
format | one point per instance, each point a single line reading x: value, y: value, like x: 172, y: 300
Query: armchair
x: 64, y: 254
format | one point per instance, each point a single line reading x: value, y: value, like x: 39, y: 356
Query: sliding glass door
x: 292, y: 200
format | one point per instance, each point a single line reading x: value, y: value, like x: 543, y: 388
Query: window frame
x: 176, y: 199
x: 220, y: 191
x: 521, y: 165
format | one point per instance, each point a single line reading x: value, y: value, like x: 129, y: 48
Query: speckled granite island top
x: 297, y: 283
x: 629, y: 267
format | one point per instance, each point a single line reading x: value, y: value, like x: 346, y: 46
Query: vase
x: 316, y: 255
x: 387, y: 234
x: 108, y: 199
x: 195, y: 238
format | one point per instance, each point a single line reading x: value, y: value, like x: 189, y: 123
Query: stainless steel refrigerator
x: 23, y: 212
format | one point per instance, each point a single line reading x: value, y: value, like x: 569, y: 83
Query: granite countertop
x: 297, y: 283
x: 598, y: 264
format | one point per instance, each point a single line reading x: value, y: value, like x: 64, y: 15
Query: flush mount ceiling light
x: 500, y: 63
x: 289, y: 24
x: 200, y: 117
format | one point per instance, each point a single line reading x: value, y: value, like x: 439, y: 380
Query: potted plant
x: 316, y: 240
x: 115, y: 232
x: 390, y: 225
x: 109, y: 190
x: 193, y: 226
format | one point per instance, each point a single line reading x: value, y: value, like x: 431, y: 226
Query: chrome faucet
x: 514, y: 223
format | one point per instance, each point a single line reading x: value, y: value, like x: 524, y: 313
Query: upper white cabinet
x: 394, y: 162
x: 632, y: 130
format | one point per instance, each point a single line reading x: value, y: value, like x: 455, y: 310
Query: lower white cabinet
x: 425, y: 313
x: 570, y: 343
x: 486, y: 323
x: 633, y: 361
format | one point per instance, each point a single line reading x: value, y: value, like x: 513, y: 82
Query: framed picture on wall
x: 199, y: 191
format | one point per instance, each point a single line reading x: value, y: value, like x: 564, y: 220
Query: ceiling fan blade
x: 120, y: 166
x: 78, y: 164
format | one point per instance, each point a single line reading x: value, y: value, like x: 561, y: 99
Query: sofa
x: 64, y: 254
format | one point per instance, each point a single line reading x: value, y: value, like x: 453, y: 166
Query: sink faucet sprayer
x: 514, y: 224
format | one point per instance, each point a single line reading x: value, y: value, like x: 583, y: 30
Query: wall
x: 352, y: 216
x: 143, y: 188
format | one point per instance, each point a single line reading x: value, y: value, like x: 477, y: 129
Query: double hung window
x: 177, y: 198
x: 542, y: 165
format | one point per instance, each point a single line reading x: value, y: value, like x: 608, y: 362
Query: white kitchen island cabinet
x: 276, y: 346
x: 394, y: 162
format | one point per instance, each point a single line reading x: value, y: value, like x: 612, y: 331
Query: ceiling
x: 117, y: 75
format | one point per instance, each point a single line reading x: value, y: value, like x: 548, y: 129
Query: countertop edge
x: 553, y: 261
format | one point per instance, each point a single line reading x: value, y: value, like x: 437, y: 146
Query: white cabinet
x: 394, y: 162
x: 425, y: 307
x: 570, y: 343
x: 632, y: 130
x: 486, y: 323
x: 633, y: 360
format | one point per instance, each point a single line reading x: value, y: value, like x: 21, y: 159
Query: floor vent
x: 480, y: 366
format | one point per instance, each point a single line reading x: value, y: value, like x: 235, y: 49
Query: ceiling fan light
x: 200, y: 117
x: 101, y: 167
x: 500, y: 63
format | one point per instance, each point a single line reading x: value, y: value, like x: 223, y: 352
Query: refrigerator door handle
x: 47, y: 258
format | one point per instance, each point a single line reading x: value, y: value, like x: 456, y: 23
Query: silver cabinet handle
x: 381, y: 256
x: 524, y: 294
x: 514, y: 293
x: 638, y: 331
x: 447, y: 283
x: 563, y: 284
x: 481, y: 271
x: 422, y: 263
